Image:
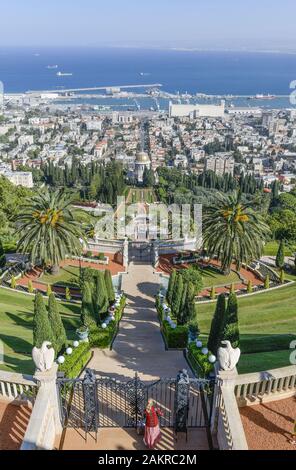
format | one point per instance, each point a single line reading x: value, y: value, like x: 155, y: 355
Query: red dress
x: 152, y: 431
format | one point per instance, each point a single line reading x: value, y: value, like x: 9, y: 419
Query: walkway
x: 139, y: 346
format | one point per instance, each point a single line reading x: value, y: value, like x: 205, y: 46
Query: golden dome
x: 142, y: 157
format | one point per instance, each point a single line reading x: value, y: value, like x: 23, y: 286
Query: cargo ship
x: 264, y: 97
x: 64, y: 74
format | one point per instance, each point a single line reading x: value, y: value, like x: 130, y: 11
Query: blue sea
x: 217, y: 73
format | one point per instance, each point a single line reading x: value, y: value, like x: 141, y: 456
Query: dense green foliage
x: 88, y: 316
x: 103, y: 338
x: 171, y: 286
x: 109, y: 285
x: 101, y: 302
x: 231, y: 329
x: 177, y: 295
x: 280, y: 257
x: 58, y: 330
x: 75, y: 362
x: 42, y: 330
x: 217, y: 325
x: 175, y: 338
x: 199, y: 361
x: 234, y: 231
x: 2, y: 256
x: 47, y: 228
x: 94, y: 181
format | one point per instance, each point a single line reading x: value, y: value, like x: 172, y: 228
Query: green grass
x: 212, y: 277
x: 68, y: 276
x: 258, y: 362
x: 271, y: 249
x: 267, y: 324
x: 16, y: 315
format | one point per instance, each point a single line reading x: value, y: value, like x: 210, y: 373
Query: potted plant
x: 83, y: 333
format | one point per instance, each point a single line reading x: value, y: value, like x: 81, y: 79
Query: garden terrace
x: 212, y: 276
x: 16, y: 317
x: 266, y: 324
x: 68, y: 275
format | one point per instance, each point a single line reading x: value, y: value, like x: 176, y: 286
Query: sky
x: 204, y: 24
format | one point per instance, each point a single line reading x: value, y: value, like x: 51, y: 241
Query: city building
x: 196, y: 110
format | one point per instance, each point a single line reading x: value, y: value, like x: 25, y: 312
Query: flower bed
x: 175, y: 338
x: 103, y: 338
x: 199, y: 361
x: 91, y: 259
x: 75, y: 362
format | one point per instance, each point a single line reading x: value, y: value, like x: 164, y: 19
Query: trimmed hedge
x: 102, y: 338
x: 75, y: 362
x: 175, y: 338
x: 199, y: 362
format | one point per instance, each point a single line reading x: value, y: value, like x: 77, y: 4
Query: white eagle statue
x: 43, y: 357
x: 228, y: 357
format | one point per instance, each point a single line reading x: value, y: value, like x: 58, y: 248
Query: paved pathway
x: 139, y: 346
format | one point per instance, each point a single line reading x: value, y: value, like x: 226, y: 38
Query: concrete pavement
x: 139, y: 345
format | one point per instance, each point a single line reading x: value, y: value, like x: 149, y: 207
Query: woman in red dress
x: 152, y: 431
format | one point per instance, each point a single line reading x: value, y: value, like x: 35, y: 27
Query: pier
x: 118, y: 88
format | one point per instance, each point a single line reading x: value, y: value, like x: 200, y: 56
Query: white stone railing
x: 234, y: 391
x: 265, y: 386
x: 17, y: 387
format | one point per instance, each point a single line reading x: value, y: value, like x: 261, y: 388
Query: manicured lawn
x: 267, y: 324
x: 68, y: 276
x: 212, y: 277
x: 271, y: 249
x: 16, y: 315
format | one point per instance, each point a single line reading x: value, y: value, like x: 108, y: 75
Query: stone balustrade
x: 265, y: 386
x: 17, y: 387
x: 235, y: 391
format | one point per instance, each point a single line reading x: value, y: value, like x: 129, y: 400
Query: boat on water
x: 264, y: 97
x: 52, y: 67
x: 64, y: 74
x: 144, y: 74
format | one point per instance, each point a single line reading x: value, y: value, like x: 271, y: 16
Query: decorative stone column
x: 125, y: 253
x: 48, y: 384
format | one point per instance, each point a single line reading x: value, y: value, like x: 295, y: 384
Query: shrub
x: 171, y: 286
x: 280, y: 257
x: 58, y: 330
x: 250, y: 287
x: 189, y: 311
x: 68, y: 294
x: 175, y: 338
x: 88, y: 254
x: 199, y: 361
x: 42, y: 330
x: 13, y: 282
x: 101, y: 256
x: 217, y: 324
x: 267, y: 282
x: 48, y: 290
x: 109, y: 285
x: 282, y: 276
x: 87, y: 315
x: 75, y: 363
x: 30, y: 287
x: 231, y: 330
x: 101, y: 302
x: 193, y: 275
x: 177, y: 295
x: 213, y: 293
x: 102, y: 338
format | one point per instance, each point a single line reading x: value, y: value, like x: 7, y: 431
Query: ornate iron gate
x: 95, y: 402
x: 140, y: 252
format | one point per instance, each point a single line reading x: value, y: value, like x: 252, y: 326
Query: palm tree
x: 233, y: 230
x: 48, y: 228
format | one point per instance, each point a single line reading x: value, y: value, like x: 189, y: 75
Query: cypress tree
x: 87, y: 314
x: 280, y: 257
x: 217, y: 324
x: 101, y: 302
x: 189, y: 312
x: 182, y: 311
x: 213, y: 293
x: 171, y: 286
x: 250, y: 287
x: 2, y: 256
x: 109, y: 285
x: 282, y: 276
x: 266, y: 282
x: 48, y: 290
x: 58, y: 330
x: 30, y: 287
x: 42, y: 330
x: 13, y: 282
x: 67, y: 294
x: 231, y: 330
x: 177, y: 295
